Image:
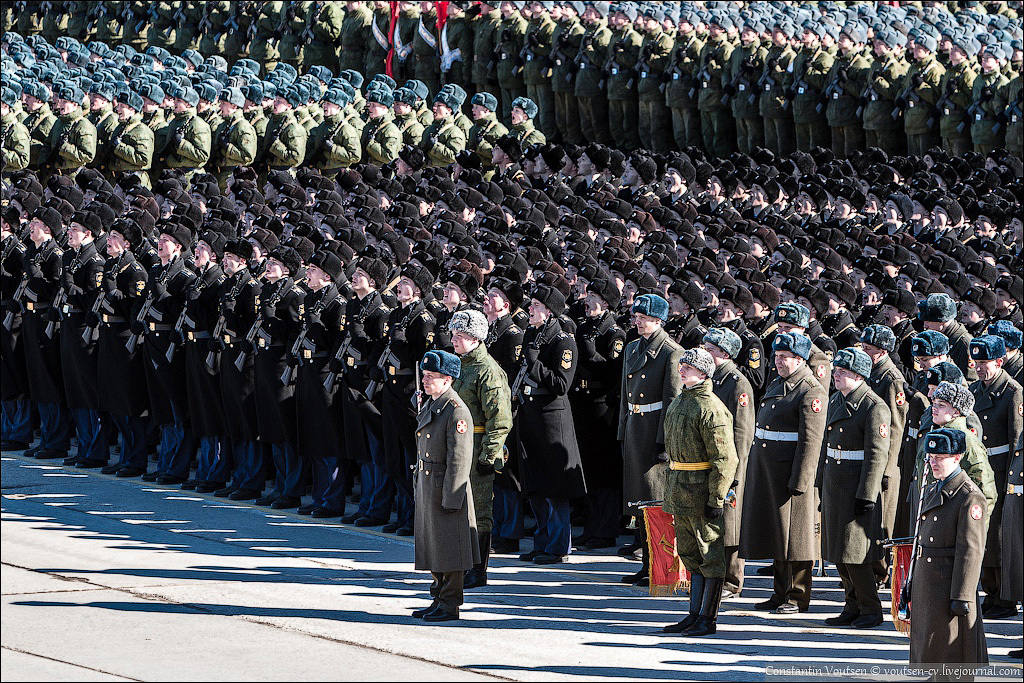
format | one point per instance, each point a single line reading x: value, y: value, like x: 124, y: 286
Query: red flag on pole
x: 391, y: 38
x: 667, y: 573
x: 442, y: 15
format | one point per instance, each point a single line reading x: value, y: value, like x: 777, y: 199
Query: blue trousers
x: 383, y: 486
x: 365, y: 488
x: 177, y: 445
x: 54, y: 427
x: 16, y: 420
x: 328, y: 484
x: 133, y: 441
x: 554, y: 528
x: 508, y: 514
x: 247, y: 459
x: 214, y: 463
x: 92, y: 437
x: 289, y: 466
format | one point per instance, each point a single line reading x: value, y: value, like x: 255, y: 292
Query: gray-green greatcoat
x: 784, y: 459
x: 889, y: 385
x: 733, y: 388
x: 1011, y: 541
x: 446, y: 538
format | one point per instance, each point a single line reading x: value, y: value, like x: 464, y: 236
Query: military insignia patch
x: 830, y: 356
x: 616, y: 348
x: 461, y: 426
x: 901, y: 398
x: 883, y: 430
x: 430, y: 338
x: 744, y: 400
x: 139, y: 286
x: 816, y: 405
x: 518, y: 351
x: 567, y: 359
x: 820, y: 371
x: 754, y: 360
x: 976, y: 512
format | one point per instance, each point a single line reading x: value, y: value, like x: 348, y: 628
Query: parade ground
x: 107, y: 579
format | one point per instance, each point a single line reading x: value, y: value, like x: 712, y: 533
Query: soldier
x: 283, y: 146
x: 590, y: 77
x: 406, y: 28
x: 1012, y: 337
x: 735, y: 391
x: 15, y: 410
x: 946, y: 626
x: 1011, y: 557
x: 524, y: 110
x: 381, y: 139
x: 594, y: 399
x: 444, y: 509
x: 565, y: 45
x: 623, y: 51
x: 335, y: 143
x: 846, y: 80
x: 641, y: 415
x: 702, y: 466
x: 152, y: 111
x: 795, y: 318
x: 938, y: 313
x: 537, y: 67
x: 186, y: 138
x: 955, y: 90
x: 998, y: 403
x: 17, y: 142
x: 1014, y: 116
x: 780, y: 513
x: 72, y: 140
x: 235, y: 141
x: 405, y: 118
x: 989, y: 101
x: 355, y: 40
x: 486, y: 26
x: 857, y: 452
x: 39, y: 121
x: 443, y: 139
x: 920, y: 96
x: 483, y: 387
x: 779, y: 135
x: 682, y: 83
x: 207, y: 108
x: 130, y: 146
x: 651, y: 66
x: 510, y: 41
x: 881, y: 117
x: 426, y: 66
x: 456, y: 47
x: 549, y: 466
x: 324, y: 27
x: 734, y: 303
x: 377, y: 49
x: 805, y: 87
x: 740, y: 85
x: 265, y: 32
x: 486, y: 128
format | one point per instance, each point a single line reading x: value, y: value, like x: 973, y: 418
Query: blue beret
x: 929, y: 343
x: 485, y: 99
x: 937, y: 308
x: 793, y: 314
x: 527, y: 105
x: 799, y: 344
x: 945, y: 441
x: 1010, y: 334
x: 651, y: 305
x: 944, y: 372
x: 987, y: 347
x: 879, y: 335
x: 854, y: 360
x: 725, y: 339
x: 442, y: 362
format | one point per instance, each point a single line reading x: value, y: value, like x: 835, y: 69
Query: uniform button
x: 929, y: 559
x: 419, y: 433
x: 840, y: 430
x: 985, y: 417
x: 935, y: 519
x: 773, y: 405
x: 830, y: 429
x: 931, y: 539
x: 428, y: 436
x: 764, y: 445
x: 641, y: 395
x: 643, y: 376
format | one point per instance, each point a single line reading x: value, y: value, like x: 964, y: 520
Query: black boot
x: 697, y: 583
x: 477, y: 576
x: 707, y: 620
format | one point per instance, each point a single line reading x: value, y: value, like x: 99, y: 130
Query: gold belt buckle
x: 106, y: 318
x: 350, y: 361
x: 307, y: 354
x: 227, y: 338
x: 29, y: 306
x: 391, y: 370
x: 152, y: 327
x: 526, y: 391
x: 635, y: 409
x: 191, y: 336
x: 583, y: 384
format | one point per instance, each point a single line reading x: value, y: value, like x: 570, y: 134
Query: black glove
x: 734, y: 484
x: 532, y: 353
x: 449, y: 510
x: 159, y: 289
x: 291, y: 360
x: 245, y: 345
x: 177, y: 337
x: 862, y: 507
x: 959, y: 608
x: 885, y: 482
x: 484, y: 468
x: 398, y: 335
x: 115, y: 294
x: 137, y: 327
x: 795, y: 491
x: 337, y: 366
x: 712, y: 512
x: 216, y: 344
x: 356, y: 329
x: 177, y: 137
x: 52, y: 314
x: 227, y: 305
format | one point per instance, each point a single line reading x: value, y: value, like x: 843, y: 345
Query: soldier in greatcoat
x: 1011, y: 554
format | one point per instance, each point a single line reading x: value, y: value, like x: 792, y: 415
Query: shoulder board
x: 514, y: 329
x: 426, y: 315
x: 298, y: 290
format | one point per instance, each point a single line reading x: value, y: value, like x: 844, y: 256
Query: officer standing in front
x: 856, y: 454
x: 446, y: 542
x: 945, y: 626
x: 702, y: 466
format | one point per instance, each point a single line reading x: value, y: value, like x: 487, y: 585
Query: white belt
x: 772, y: 435
x: 998, y: 450
x: 912, y: 432
x: 839, y: 454
x: 1014, y: 490
x: 640, y: 408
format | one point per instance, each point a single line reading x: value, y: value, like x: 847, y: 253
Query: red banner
x: 442, y: 15
x: 667, y: 573
x: 900, y: 566
x: 391, y: 38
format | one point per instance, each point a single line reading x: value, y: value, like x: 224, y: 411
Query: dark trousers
x: 176, y: 448
x: 554, y: 529
x: 603, y: 511
x: 365, y: 488
x: 859, y: 585
x: 288, y: 482
x: 508, y: 514
x: 249, y: 474
x: 382, y: 486
x: 16, y: 424
x: 133, y: 440
x: 991, y: 580
x: 54, y: 427
x: 92, y: 438
x: 792, y: 582
x: 213, y: 463
x: 328, y: 484
x: 449, y: 594
x: 733, y: 568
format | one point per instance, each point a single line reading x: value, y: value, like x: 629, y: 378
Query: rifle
x: 140, y: 317
x: 18, y: 294
x: 58, y: 303
x: 332, y: 377
x: 91, y: 334
x: 218, y: 328
x: 301, y: 342
x: 180, y: 322
x: 256, y: 330
x: 517, y: 383
x: 372, y: 387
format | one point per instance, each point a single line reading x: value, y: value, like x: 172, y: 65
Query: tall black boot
x: 477, y: 576
x: 697, y: 587
x: 707, y: 620
x: 641, y: 578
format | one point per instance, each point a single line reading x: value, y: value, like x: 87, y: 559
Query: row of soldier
x: 652, y: 75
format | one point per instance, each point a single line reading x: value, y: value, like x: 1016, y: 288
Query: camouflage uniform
x: 565, y: 43
x: 881, y: 129
x: 955, y: 99
x: 681, y: 91
x: 623, y: 107
x: 590, y: 81
x: 989, y: 96
x: 537, y: 68
x: 806, y: 84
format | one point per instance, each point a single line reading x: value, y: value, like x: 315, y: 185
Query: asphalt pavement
x: 104, y: 579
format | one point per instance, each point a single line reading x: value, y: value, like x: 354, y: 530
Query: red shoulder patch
x: 461, y: 426
x: 816, y: 405
x: 744, y: 400
x: 901, y: 398
x: 883, y: 430
x: 820, y: 371
x: 976, y: 512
